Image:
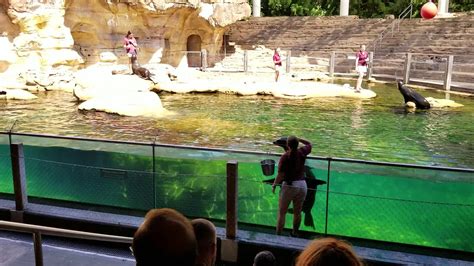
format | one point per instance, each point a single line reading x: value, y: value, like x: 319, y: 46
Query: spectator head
x: 328, y: 251
x: 362, y: 47
x: 264, y: 258
x: 206, y: 238
x: 165, y: 237
x: 292, y: 143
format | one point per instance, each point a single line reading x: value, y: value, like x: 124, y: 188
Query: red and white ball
x: 429, y: 10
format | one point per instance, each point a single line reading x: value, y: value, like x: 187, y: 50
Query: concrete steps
x: 319, y: 36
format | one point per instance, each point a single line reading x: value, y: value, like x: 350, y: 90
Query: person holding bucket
x: 291, y: 176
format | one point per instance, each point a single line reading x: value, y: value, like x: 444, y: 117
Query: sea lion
x: 139, y: 70
x: 311, y: 182
x: 409, y: 95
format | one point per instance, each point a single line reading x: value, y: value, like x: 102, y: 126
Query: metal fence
x: 436, y: 70
x: 402, y: 203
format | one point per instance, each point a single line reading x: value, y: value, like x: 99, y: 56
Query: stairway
x: 430, y: 41
x: 317, y: 37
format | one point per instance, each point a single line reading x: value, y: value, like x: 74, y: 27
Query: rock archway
x: 193, y: 46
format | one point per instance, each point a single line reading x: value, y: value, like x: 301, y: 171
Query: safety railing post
x: 288, y: 61
x: 332, y: 61
x: 19, y: 176
x: 10, y: 132
x: 38, y: 248
x: 327, y: 197
x: 406, y: 76
x: 449, y: 73
x: 371, y: 65
x: 154, y: 173
x: 246, y: 60
x: 231, y: 218
x: 203, y: 59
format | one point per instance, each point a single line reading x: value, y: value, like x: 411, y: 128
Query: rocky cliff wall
x: 74, y: 33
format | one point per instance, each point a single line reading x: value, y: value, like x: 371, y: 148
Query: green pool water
x: 378, y: 129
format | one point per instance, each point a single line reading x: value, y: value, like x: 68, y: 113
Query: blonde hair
x: 328, y: 251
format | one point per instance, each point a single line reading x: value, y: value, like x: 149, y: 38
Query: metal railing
x: 394, y: 26
x: 456, y: 74
x: 37, y: 231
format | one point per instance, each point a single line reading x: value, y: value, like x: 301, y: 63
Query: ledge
x: 249, y: 242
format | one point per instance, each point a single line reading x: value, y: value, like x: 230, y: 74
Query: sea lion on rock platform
x: 409, y: 95
x: 139, y: 70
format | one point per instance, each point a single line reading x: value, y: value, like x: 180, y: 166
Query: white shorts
x: 361, y: 69
x: 295, y: 193
x: 130, y: 55
x: 277, y: 68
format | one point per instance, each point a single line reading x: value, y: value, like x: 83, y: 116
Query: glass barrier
x: 405, y: 205
x: 408, y: 205
x: 194, y: 181
x: 191, y: 181
x: 256, y: 203
x: 6, y: 181
x: 99, y: 173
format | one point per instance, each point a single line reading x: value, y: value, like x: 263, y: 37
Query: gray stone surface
x: 17, y: 250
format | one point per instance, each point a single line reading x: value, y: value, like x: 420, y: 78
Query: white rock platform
x: 441, y: 103
x: 126, y: 95
x: 284, y: 89
x: 16, y: 94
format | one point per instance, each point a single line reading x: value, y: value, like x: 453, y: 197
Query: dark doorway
x: 194, y: 50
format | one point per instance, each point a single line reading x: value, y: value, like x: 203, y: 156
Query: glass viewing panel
x: 6, y: 180
x: 99, y: 173
x: 193, y: 181
x: 431, y: 208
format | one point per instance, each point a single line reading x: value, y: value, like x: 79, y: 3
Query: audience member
x: 206, y: 238
x: 165, y: 237
x: 328, y: 252
x: 264, y: 258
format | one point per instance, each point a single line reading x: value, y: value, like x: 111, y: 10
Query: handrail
x: 391, y: 27
x: 38, y: 230
x: 334, y: 159
x: 30, y: 228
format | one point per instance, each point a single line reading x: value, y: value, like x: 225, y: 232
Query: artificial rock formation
x: 38, y: 34
x: 50, y: 33
x: 164, y: 29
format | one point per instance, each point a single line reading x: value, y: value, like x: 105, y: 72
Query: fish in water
x: 311, y: 182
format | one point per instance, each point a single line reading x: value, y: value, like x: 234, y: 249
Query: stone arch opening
x: 193, y: 46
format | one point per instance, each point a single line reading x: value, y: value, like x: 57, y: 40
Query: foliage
x: 297, y: 7
x: 361, y: 8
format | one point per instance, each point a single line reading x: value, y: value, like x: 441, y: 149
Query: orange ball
x: 429, y: 10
